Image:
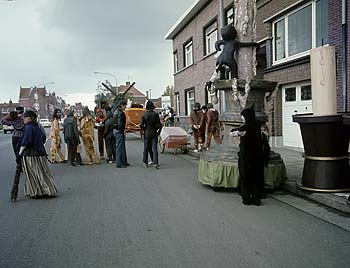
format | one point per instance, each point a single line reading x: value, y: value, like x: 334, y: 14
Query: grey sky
x: 65, y: 41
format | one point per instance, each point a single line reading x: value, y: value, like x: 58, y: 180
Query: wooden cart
x: 133, y: 120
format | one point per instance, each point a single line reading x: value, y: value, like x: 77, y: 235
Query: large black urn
x: 326, y: 143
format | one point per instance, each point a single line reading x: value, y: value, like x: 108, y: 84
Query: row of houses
x: 44, y: 101
x: 286, y: 31
x: 39, y: 99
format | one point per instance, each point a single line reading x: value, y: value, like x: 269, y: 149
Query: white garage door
x: 296, y: 99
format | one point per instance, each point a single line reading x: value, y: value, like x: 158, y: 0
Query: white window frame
x: 189, y: 101
x: 177, y: 103
x: 188, y: 50
x: 210, y: 38
x: 229, y: 16
x: 313, y: 34
x: 176, y: 61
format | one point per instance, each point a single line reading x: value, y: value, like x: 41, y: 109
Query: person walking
x: 150, y: 124
x: 55, y: 138
x: 71, y: 137
x: 196, y: 121
x: 38, y: 178
x: 119, y: 134
x: 213, y: 126
x: 15, y: 119
x: 251, y: 158
x: 100, y: 125
x: 87, y: 124
x: 109, y: 137
x: 204, y: 124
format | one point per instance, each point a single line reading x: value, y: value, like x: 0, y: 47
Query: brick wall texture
x: 195, y: 76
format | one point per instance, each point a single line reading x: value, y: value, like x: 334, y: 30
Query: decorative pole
x: 245, y: 24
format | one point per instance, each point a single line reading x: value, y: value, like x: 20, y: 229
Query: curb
x: 326, y: 199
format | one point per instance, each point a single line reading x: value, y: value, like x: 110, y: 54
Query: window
x: 188, y: 53
x: 229, y: 16
x: 189, y: 101
x: 305, y: 93
x: 290, y: 94
x: 211, y: 36
x: 176, y: 61
x: 299, y: 31
x: 177, y: 103
x: 321, y: 23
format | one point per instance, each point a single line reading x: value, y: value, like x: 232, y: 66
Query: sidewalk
x: 294, y: 163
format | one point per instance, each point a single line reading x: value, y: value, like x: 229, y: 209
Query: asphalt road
x: 137, y: 217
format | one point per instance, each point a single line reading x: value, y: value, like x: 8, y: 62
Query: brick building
x: 6, y: 108
x: 134, y: 94
x: 41, y: 100
x: 287, y: 30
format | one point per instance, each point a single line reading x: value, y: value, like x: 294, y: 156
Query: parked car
x: 7, y: 128
x: 45, y: 122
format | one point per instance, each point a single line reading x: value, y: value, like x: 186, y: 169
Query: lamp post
x: 150, y: 93
x: 115, y: 78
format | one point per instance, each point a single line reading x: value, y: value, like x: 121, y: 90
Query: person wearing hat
x: 150, y: 124
x: 55, y: 137
x: 71, y: 137
x: 213, y: 126
x: 87, y: 125
x: 38, y: 178
x: 119, y: 134
x: 196, y: 121
x: 251, y: 158
x: 15, y: 119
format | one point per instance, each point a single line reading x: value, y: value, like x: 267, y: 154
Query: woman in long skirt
x: 38, y: 178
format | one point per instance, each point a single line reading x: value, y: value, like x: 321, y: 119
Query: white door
x: 296, y: 99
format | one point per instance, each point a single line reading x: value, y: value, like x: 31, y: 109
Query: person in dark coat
x: 119, y: 118
x: 251, y: 158
x: 109, y: 137
x: 150, y: 124
x: 38, y: 178
x: 71, y: 137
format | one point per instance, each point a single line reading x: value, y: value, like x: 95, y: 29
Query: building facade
x: 286, y: 31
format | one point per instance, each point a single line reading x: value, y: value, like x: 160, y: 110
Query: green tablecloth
x: 224, y: 174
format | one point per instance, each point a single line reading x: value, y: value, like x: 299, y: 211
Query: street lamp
x: 150, y: 93
x: 115, y: 78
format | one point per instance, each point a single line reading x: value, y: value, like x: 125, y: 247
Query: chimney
x: 127, y: 83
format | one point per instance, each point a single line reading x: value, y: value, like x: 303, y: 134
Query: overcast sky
x: 65, y: 41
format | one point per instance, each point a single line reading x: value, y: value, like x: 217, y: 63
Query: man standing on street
x: 15, y: 119
x: 150, y: 124
x: 213, y: 125
x: 119, y: 134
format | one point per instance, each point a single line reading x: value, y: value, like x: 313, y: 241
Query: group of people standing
x: 205, y: 124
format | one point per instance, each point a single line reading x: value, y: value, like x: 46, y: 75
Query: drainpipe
x: 221, y: 13
x: 344, y: 57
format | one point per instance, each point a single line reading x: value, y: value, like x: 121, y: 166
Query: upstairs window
x: 211, y: 36
x: 176, y: 61
x: 188, y: 49
x: 229, y: 16
x: 300, y: 30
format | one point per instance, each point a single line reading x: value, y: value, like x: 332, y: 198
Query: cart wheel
x: 161, y: 146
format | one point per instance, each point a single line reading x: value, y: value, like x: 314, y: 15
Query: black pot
x: 326, y: 143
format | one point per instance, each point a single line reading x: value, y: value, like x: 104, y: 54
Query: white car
x: 45, y: 122
x: 7, y: 129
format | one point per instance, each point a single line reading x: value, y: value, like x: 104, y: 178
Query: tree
x: 169, y: 91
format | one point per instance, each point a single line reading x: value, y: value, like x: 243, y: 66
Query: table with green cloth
x: 219, y: 168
